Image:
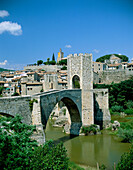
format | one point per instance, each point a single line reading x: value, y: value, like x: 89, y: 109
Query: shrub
x: 129, y: 111
x: 16, y: 146
x: 50, y: 156
x: 129, y: 104
x: 15, y: 94
x: 117, y: 108
x: 64, y: 68
x: 87, y: 129
x: 125, y: 134
x: 126, y: 160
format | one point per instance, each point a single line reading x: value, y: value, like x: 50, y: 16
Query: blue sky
x: 35, y: 29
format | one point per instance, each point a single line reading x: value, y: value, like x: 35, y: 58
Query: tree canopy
x: 119, y: 93
x: 39, y: 62
x: 107, y: 57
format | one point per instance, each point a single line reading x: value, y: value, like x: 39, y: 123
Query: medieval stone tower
x: 80, y: 75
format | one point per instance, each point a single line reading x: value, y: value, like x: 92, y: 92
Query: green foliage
x: 53, y: 57
x: 16, y: 146
x: 107, y: 57
x: 88, y: 129
x: 119, y: 94
x: 50, y: 156
x: 3, y: 69
x: 15, y: 94
x: 126, y: 161
x: 125, y: 134
x: 129, y: 104
x: 53, y: 62
x: 31, y: 103
x: 117, y: 108
x: 64, y: 68
x: 41, y: 90
x: 1, y: 89
x: 73, y: 166
x: 63, y: 62
x: 102, y: 167
x: 129, y: 111
x: 39, y: 62
x: 64, y: 111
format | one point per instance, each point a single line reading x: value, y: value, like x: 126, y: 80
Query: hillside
x: 107, y: 57
x: 3, y: 69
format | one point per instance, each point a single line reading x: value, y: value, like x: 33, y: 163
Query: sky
x: 32, y: 30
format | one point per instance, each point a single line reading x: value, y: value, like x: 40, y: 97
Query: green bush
x: 127, y: 125
x: 16, y: 146
x: 129, y: 111
x: 50, y: 156
x: 126, y: 161
x: 117, y: 108
x: 15, y: 94
x: 19, y: 151
x: 88, y: 129
x: 125, y: 134
x: 129, y: 104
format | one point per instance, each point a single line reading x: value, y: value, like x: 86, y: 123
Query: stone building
x: 30, y: 88
x: 98, y: 67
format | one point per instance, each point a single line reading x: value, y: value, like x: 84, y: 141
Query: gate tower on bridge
x: 80, y: 66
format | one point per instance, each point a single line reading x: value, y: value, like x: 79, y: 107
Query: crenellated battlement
x: 79, y: 55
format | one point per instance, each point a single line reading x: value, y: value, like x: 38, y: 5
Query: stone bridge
x: 85, y: 104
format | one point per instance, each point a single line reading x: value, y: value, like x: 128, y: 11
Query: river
x: 88, y: 150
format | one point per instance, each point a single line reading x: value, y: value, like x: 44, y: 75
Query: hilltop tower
x: 60, y: 55
x: 80, y: 75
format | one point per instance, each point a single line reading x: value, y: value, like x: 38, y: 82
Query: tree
x: 1, y: 89
x: 53, y: 62
x: 107, y: 57
x: 50, y: 156
x: 48, y: 61
x: 63, y: 62
x: 53, y: 57
x: 39, y: 62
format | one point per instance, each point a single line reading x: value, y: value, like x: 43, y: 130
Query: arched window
x: 76, y: 82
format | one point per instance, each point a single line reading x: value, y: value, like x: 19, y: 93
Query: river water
x: 88, y: 150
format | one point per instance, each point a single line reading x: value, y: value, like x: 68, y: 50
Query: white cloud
x: 3, y: 63
x: 3, y: 13
x: 96, y: 51
x: 68, y: 46
x: 13, y: 28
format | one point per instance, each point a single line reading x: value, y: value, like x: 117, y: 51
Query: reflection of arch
x: 76, y: 82
x: 72, y: 107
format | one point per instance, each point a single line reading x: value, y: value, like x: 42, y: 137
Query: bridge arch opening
x: 75, y: 117
x: 76, y: 82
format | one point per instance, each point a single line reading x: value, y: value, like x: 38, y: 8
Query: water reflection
x: 88, y: 150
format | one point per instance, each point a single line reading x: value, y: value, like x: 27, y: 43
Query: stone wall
x: 48, y: 68
x: 116, y: 76
x: 101, y: 107
x: 16, y: 105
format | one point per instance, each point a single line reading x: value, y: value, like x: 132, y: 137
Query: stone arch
x: 76, y: 82
x: 75, y: 115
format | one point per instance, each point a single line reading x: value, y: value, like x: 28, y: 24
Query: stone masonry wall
x: 16, y: 105
x: 101, y: 107
x: 116, y: 76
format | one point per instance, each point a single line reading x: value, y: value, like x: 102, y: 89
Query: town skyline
x: 32, y: 30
